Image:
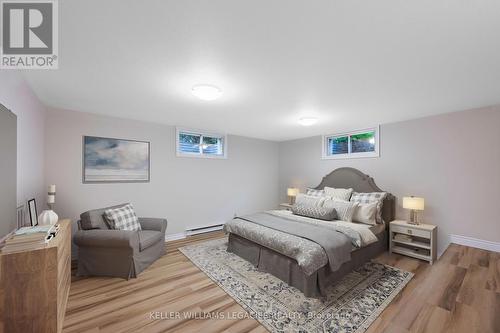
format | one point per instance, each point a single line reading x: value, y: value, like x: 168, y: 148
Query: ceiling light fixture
x: 206, y: 92
x: 308, y: 121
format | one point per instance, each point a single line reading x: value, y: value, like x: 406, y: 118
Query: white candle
x: 51, y: 199
x: 52, y: 189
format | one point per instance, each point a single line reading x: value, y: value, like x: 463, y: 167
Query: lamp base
x: 413, y: 217
x: 48, y: 217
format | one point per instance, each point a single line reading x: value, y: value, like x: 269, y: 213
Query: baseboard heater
x: 203, y: 229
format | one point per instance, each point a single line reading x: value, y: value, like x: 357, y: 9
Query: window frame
x: 349, y: 154
x: 202, y: 133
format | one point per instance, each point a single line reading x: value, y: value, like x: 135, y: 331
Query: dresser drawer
x: 411, y: 231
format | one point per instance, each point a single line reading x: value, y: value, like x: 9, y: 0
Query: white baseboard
x: 474, y: 242
x: 172, y: 237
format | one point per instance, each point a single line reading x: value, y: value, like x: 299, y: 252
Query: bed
x: 309, y: 272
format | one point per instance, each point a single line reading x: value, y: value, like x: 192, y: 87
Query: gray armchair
x: 120, y: 253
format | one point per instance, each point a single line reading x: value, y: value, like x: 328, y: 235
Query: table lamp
x: 414, y: 204
x: 292, y: 193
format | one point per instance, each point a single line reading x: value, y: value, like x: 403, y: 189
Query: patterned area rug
x: 351, y: 305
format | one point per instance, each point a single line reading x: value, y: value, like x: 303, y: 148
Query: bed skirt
x: 288, y: 270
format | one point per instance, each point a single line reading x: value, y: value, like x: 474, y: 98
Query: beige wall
x: 17, y: 96
x: 453, y: 161
x: 186, y: 191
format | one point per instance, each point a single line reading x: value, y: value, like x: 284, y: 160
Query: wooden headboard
x: 359, y: 182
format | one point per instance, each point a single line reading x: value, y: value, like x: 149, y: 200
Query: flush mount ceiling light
x: 308, y: 121
x: 206, y: 92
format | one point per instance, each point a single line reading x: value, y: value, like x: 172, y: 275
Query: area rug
x: 350, y: 306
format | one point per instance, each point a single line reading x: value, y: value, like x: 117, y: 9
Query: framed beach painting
x: 108, y: 160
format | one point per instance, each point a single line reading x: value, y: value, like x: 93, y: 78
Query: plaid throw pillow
x: 365, y: 198
x: 315, y: 193
x: 122, y: 218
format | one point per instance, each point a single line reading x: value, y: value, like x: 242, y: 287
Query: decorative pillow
x: 338, y: 193
x: 344, y: 209
x: 315, y: 193
x: 366, y: 213
x: 308, y: 200
x: 122, y: 218
x: 365, y: 198
x: 322, y: 213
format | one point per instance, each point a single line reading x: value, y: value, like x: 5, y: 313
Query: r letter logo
x: 29, y: 34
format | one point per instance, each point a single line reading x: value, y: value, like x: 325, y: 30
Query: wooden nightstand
x: 421, y: 242
x: 285, y: 206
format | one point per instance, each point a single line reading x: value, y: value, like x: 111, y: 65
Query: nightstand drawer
x: 411, y: 231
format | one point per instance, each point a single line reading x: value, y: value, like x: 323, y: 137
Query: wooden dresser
x: 34, y: 286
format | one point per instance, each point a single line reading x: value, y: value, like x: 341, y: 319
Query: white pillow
x: 308, y: 200
x: 338, y: 193
x: 365, y: 198
x: 344, y: 209
x: 366, y: 213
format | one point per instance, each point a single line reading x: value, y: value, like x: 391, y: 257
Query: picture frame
x: 112, y: 160
x: 33, y: 212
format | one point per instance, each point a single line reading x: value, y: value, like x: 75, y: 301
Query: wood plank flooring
x: 459, y: 293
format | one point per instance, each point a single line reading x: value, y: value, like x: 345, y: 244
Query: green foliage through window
x: 364, y: 142
x: 338, y: 145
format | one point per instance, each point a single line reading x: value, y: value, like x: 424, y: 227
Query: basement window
x: 196, y: 143
x: 355, y: 144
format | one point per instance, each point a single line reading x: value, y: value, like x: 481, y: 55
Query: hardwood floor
x: 459, y: 293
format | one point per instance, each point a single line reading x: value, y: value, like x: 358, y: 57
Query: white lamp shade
x: 414, y: 203
x: 292, y: 192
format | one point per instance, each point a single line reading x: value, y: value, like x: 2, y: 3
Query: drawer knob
x: 409, y: 231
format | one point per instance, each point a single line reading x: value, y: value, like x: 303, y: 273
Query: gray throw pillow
x: 315, y: 212
x: 345, y: 209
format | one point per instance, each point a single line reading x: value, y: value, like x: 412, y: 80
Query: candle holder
x: 49, y: 216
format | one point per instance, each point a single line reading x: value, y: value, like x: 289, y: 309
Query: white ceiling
x: 350, y: 63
